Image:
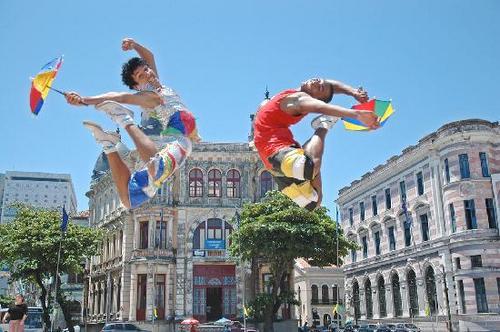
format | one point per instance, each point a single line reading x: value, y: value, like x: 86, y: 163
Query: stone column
x: 362, y: 303
x: 91, y: 299
x: 150, y: 292
x: 133, y: 294
x: 102, y: 286
x: 422, y: 297
x: 114, y: 309
x: 438, y: 217
x: 405, y: 298
x: 376, y: 305
x: 441, y: 307
x: 389, y: 300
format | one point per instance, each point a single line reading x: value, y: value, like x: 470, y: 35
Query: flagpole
x: 64, y: 225
x: 337, y: 254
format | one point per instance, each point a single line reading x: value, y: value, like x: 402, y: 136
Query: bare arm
x: 143, y: 99
x: 301, y: 103
x: 5, y: 317
x: 341, y: 88
x: 143, y: 52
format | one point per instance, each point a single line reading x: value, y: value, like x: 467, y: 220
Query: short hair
x: 329, y: 99
x: 128, y: 69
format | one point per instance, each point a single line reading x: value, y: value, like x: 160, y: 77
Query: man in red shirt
x: 296, y: 168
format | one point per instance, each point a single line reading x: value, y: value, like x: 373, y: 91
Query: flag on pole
x: 245, y: 311
x: 405, y: 211
x: 335, y: 308
x: 64, y: 221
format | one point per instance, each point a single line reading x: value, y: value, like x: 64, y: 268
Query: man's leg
x: 145, y: 146
x: 314, y: 148
x: 121, y: 177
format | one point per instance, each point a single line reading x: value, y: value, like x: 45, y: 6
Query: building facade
x: 319, y: 290
x: 169, y: 258
x: 426, y: 222
x: 47, y: 190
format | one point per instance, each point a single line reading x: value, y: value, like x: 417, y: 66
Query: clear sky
x: 439, y: 61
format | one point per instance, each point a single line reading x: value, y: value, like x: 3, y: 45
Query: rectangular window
x: 143, y: 234
x: 407, y: 227
x: 490, y: 212
x: 424, y: 223
x: 161, y: 234
x: 453, y: 220
x: 365, y: 246
x: 484, y: 164
x: 402, y: 190
x: 463, y: 160
x: 458, y: 266
x: 160, y: 295
x: 476, y: 261
x: 461, y: 291
x: 420, y: 184
x: 498, y: 287
x: 482, y: 304
x: 388, y: 203
x: 362, y: 211
x: 354, y: 255
x: 392, y: 239
x: 470, y: 214
x: 374, y: 205
x: 447, y: 170
x: 377, y: 243
x: 351, y: 216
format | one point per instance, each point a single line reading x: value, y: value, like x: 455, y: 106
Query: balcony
x: 151, y: 254
x: 326, y: 302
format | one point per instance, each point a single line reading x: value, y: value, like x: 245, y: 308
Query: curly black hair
x: 128, y: 69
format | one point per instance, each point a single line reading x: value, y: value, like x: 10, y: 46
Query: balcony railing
x: 326, y: 302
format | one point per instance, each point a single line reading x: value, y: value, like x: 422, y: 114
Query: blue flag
x: 405, y: 212
x: 64, y: 221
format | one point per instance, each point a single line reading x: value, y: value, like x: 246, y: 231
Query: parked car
x: 406, y: 327
x: 368, y: 328
x: 117, y: 327
x: 383, y: 328
x: 351, y: 328
x: 392, y: 327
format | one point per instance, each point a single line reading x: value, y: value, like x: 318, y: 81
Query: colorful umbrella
x: 382, y: 108
x: 190, y: 321
x: 42, y: 83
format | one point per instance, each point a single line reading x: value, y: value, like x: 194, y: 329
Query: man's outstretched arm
x: 341, y: 88
x: 130, y: 44
x: 143, y: 99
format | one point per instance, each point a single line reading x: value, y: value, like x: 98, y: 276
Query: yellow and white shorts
x: 293, y: 172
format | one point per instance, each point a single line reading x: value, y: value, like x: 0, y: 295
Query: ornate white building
x: 440, y: 255
x: 169, y: 258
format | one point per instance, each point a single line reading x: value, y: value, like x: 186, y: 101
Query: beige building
x: 439, y: 252
x: 319, y: 290
x: 169, y: 258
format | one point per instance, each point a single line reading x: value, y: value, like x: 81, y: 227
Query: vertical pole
x: 337, y: 253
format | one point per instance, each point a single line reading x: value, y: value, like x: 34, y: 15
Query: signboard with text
x: 217, y: 244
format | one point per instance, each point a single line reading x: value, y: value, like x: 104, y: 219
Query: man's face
x: 317, y: 88
x: 19, y: 299
x: 142, y: 75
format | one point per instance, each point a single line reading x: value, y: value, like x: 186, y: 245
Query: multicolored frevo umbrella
x: 382, y: 108
x: 41, y: 84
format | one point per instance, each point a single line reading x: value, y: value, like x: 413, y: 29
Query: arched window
x: 381, y: 297
x: 195, y: 183
x: 396, y: 296
x: 314, y: 294
x: 215, y: 230
x: 266, y: 183
x: 430, y: 285
x: 368, y: 299
x: 324, y: 294
x: 412, y: 292
x: 214, y: 183
x: 233, y: 183
x: 355, y: 299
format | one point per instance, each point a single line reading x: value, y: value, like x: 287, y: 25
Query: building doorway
x: 214, y: 303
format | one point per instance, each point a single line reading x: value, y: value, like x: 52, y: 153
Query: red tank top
x: 272, y: 128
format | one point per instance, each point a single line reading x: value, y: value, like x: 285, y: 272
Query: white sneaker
x: 108, y: 139
x: 324, y: 121
x: 117, y: 112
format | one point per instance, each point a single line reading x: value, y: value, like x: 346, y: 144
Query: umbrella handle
x: 64, y: 94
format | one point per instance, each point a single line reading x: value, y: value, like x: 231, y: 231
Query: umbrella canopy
x: 383, y: 109
x: 223, y: 321
x: 190, y: 321
x: 41, y: 84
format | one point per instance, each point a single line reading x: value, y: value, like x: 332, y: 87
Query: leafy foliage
x: 277, y: 231
x: 30, y: 245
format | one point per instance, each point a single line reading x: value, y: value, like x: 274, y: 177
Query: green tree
x: 30, y: 245
x: 278, y: 231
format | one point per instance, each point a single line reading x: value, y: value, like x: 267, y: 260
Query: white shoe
x: 117, y: 112
x: 324, y: 121
x: 108, y: 139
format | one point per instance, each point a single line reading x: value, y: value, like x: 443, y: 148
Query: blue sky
x: 437, y: 60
